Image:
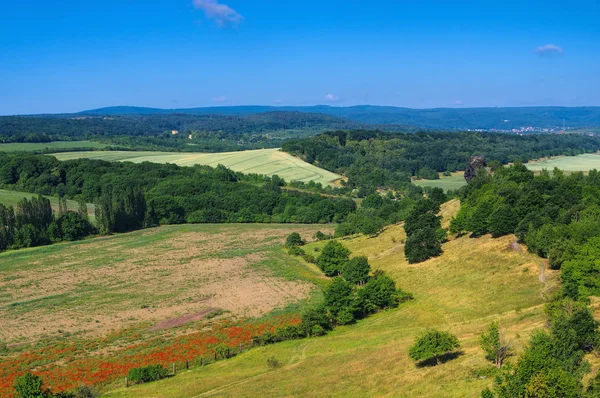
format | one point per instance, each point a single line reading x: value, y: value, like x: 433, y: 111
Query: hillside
x: 474, y: 282
x: 439, y: 118
x: 261, y: 161
x: 85, y: 312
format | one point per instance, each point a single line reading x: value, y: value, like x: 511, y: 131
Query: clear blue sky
x: 71, y: 55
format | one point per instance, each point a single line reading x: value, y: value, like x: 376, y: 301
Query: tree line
x: 373, y: 159
x: 558, y: 217
x: 33, y: 223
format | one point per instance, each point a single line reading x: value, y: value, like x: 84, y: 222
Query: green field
x: 262, y: 161
x: 11, y: 198
x: 50, y: 146
x: 456, y: 181
x: 474, y: 282
x: 585, y: 162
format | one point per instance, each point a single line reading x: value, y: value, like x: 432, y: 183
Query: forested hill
x: 149, y: 132
x: 438, y: 118
x: 375, y: 159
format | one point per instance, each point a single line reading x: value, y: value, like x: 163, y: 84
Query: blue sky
x: 71, y: 55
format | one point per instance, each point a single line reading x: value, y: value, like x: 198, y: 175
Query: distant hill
x: 438, y: 118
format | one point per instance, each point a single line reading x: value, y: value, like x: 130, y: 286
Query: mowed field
x: 454, y: 182
x: 11, y: 198
x: 585, y: 162
x: 473, y: 283
x: 262, y: 161
x: 50, y: 146
x: 85, y: 312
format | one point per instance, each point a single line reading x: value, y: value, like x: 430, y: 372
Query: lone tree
x: 333, y: 258
x: 357, y: 270
x: 294, y: 240
x: 433, y: 345
x: 496, y: 348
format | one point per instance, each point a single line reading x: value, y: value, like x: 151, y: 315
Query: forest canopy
x: 379, y: 159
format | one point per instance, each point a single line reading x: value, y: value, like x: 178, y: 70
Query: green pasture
x: 454, y: 182
x: 585, y: 162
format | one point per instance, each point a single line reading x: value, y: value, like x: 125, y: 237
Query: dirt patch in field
x: 183, y: 320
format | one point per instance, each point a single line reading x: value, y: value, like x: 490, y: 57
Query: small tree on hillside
x: 496, y: 348
x: 422, y: 245
x: 294, y: 240
x: 433, y: 345
x: 357, y: 270
x: 333, y: 258
x: 340, y: 300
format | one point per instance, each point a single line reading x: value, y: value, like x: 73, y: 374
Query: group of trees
x: 557, y: 217
x: 424, y: 233
x: 379, y: 159
x: 375, y: 212
x: 34, y: 223
x: 172, y: 194
x: 354, y: 292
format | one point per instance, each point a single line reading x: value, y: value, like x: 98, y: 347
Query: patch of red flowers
x: 96, y: 362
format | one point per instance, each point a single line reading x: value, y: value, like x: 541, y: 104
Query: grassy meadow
x: 454, y: 182
x: 50, y: 146
x: 11, y: 198
x: 585, y: 162
x: 261, y: 161
x: 474, y: 282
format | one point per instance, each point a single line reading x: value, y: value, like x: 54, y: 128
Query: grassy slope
x: 262, y: 161
x: 11, y: 198
x: 474, y: 282
x: 583, y: 162
x: 50, y: 146
x: 456, y: 181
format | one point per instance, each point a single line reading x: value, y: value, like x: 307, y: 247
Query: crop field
x: 50, y: 146
x: 585, y: 162
x: 474, y: 282
x: 11, y: 198
x: 86, y: 312
x: 261, y: 161
x: 456, y: 181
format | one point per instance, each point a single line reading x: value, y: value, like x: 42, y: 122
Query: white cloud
x: 331, y: 98
x: 222, y: 14
x: 549, y: 49
x: 220, y: 99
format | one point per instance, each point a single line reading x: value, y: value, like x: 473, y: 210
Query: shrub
x: 433, y: 345
x: 333, y: 258
x: 296, y: 251
x: 357, y: 270
x: 321, y: 236
x: 147, y: 374
x: 309, y: 258
x: 294, y: 240
x: 288, y: 333
x: 30, y: 386
x: 273, y: 362
x: 315, y: 316
x: 380, y: 292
